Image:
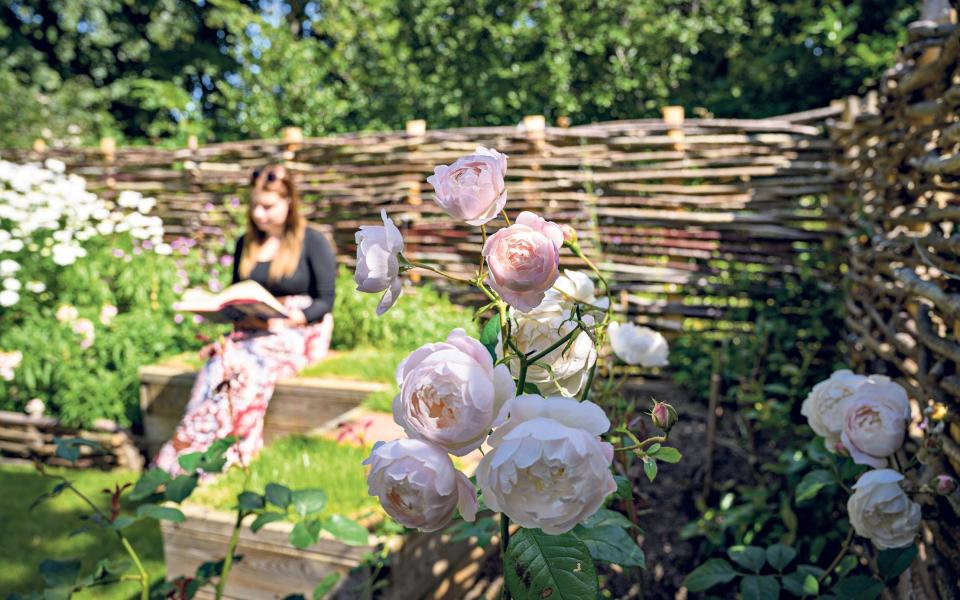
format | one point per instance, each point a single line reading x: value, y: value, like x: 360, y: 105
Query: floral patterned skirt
x: 234, y: 387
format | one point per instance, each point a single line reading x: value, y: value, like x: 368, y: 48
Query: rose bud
x: 664, y: 416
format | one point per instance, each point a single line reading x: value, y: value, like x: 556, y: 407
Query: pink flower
x: 378, y: 261
x: 178, y: 318
x: 875, y: 419
x: 84, y: 327
x: 472, y: 188
x: 9, y: 361
x: 107, y: 313
x: 418, y: 485
x: 524, y: 260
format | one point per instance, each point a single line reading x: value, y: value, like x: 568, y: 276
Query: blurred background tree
x: 155, y: 71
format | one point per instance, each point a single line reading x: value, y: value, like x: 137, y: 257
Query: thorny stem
x: 836, y: 559
x: 143, y: 577
x: 637, y: 444
x: 420, y: 265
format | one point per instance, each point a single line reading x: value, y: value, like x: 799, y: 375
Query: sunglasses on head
x: 271, y: 176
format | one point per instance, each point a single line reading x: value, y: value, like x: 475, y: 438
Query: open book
x: 233, y: 303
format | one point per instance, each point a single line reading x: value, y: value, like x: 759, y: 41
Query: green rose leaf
x: 650, y: 468
x: 161, y: 513
x: 264, y: 518
x: 668, y: 454
x: 624, y: 488
x: 347, y: 530
x: 713, y: 572
x: 812, y: 483
x: 278, y: 495
x: 490, y: 335
x: 755, y: 587
x: 189, y: 462
x: 780, y: 555
x: 305, y: 534
x: 180, y: 488
x: 858, y: 587
x: 308, y: 502
x: 748, y: 557
x: 891, y: 563
x: 610, y: 543
x: 538, y: 565
x: 122, y: 522
x: 56, y: 573
x: 249, y: 501
x: 148, y: 483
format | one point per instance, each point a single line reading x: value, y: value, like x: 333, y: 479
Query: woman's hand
x: 295, y: 318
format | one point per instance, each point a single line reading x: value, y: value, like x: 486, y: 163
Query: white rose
x: 880, y: 510
x: 8, y: 298
x: 572, y: 287
x: 548, y: 468
x: 378, y: 262
x: 638, y: 345
x: 418, y: 485
x: 569, y: 366
x: 875, y: 420
x: 822, y: 407
x: 450, y: 393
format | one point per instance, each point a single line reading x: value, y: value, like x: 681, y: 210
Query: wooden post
x: 563, y: 121
x: 293, y: 138
x: 108, y: 147
x: 39, y: 145
x: 673, y: 118
x: 535, y: 126
x: 192, y: 142
x: 416, y: 130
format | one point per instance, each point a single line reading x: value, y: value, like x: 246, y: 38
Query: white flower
x: 450, y: 393
x: 163, y: 249
x: 378, y: 262
x: 65, y: 255
x: 67, y: 313
x: 548, y: 468
x: 9, y: 361
x: 37, y: 287
x: 418, y: 485
x: 563, y: 370
x: 875, y: 420
x: 638, y: 345
x: 12, y: 284
x: 8, y: 298
x: 880, y: 510
x: 822, y: 407
x: 129, y: 199
x: 8, y: 267
x: 11, y: 246
x: 57, y: 166
x: 570, y: 288
x: 84, y: 328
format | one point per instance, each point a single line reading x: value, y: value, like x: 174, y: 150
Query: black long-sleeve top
x: 315, y: 276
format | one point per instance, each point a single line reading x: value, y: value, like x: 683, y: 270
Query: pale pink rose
x: 879, y: 509
x: 524, y: 260
x: 9, y: 361
x: 107, y: 313
x: 418, y: 485
x: 84, y: 328
x: 450, y: 393
x: 823, y: 405
x: 378, y: 261
x: 472, y: 188
x: 548, y: 468
x: 875, y: 419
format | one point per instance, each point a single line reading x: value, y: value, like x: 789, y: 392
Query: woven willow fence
x: 897, y: 185
x: 657, y: 202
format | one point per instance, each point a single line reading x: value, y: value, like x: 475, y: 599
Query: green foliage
x: 403, y: 327
x: 539, y: 565
x: 230, y: 69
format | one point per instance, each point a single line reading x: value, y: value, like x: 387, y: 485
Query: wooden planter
x: 299, y: 405
x: 422, y: 565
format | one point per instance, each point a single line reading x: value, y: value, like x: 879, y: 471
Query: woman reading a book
x: 293, y: 262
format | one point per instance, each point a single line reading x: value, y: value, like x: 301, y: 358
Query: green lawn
x: 300, y: 462
x: 29, y: 537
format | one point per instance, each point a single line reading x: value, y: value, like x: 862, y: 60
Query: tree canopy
x: 158, y: 70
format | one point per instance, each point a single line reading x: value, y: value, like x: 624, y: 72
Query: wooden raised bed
x: 299, y: 404
x: 421, y: 565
